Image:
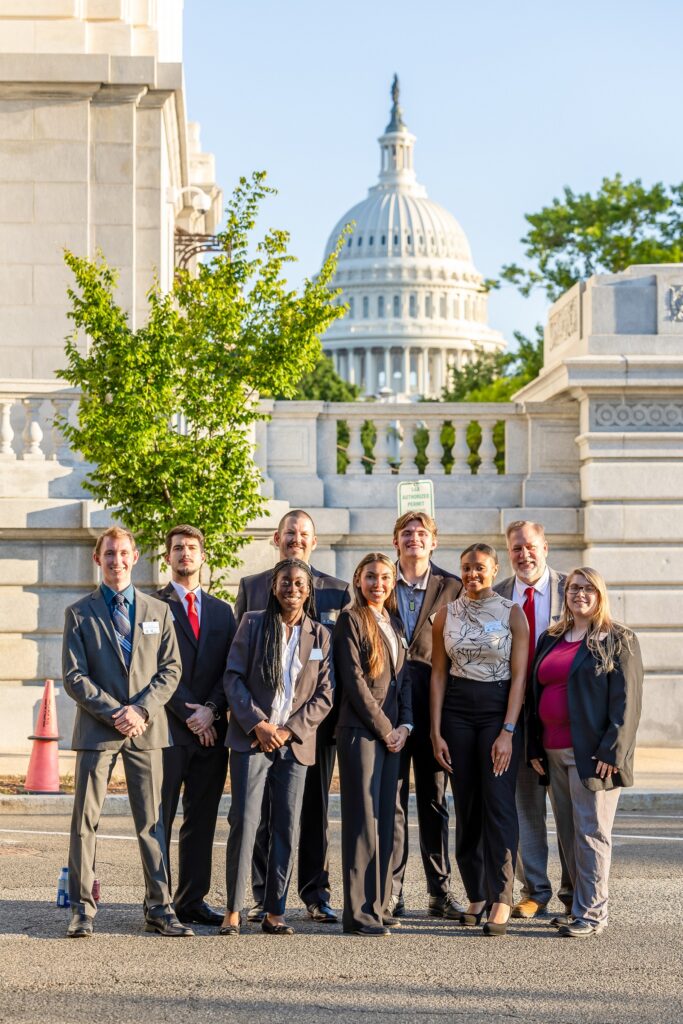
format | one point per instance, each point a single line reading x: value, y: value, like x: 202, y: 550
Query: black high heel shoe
x: 491, y: 928
x: 470, y: 920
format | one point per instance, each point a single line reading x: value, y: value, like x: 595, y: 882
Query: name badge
x: 316, y: 654
x: 404, y: 642
x: 150, y: 628
x: 493, y: 627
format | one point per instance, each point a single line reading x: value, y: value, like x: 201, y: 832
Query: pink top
x: 553, y: 708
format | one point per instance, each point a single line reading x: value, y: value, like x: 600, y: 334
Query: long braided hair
x: 272, y: 625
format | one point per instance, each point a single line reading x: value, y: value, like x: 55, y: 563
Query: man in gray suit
x: 121, y: 665
x: 539, y: 591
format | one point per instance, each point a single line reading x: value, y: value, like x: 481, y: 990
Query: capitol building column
x: 406, y: 371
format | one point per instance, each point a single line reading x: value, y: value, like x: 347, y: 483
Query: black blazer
x: 378, y: 705
x: 442, y: 587
x: 249, y: 700
x: 331, y: 594
x: 604, y: 711
x: 203, y: 662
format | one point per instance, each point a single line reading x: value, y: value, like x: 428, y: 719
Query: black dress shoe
x: 201, y: 914
x: 275, y: 929
x: 229, y: 929
x: 168, y: 925
x: 322, y: 913
x: 369, y: 930
x: 256, y: 914
x: 80, y: 926
x: 446, y: 906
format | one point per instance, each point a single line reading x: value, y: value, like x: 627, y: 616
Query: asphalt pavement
x: 427, y: 970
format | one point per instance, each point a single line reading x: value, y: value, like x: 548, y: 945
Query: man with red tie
x: 198, y: 759
x: 539, y: 590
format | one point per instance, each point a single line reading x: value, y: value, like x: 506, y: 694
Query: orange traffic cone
x: 43, y: 768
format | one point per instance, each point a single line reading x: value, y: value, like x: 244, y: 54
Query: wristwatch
x: 509, y: 727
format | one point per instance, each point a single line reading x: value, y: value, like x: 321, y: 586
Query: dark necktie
x: 192, y: 616
x: 122, y: 627
x: 530, y: 612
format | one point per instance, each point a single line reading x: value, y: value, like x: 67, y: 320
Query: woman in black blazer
x: 278, y: 687
x: 375, y: 719
x: 586, y: 694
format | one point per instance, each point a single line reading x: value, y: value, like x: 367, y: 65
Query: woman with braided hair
x: 278, y: 687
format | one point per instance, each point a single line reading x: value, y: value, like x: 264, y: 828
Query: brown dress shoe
x: 528, y: 908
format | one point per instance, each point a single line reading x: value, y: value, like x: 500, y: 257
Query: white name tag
x: 316, y: 654
x: 404, y: 642
x: 493, y: 627
x: 149, y: 628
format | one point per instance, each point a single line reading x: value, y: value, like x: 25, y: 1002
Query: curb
x: 118, y: 804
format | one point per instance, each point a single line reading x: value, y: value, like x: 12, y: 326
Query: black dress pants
x: 368, y: 777
x: 201, y: 771
x: 486, y: 829
x: 430, y: 797
x: 313, y: 857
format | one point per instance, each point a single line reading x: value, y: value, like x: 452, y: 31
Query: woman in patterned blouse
x: 479, y: 661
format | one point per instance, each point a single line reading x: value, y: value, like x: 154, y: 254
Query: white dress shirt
x: 541, y: 600
x: 291, y: 667
x: 182, y: 592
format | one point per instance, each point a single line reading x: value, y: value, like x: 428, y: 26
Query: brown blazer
x: 378, y: 705
x: 250, y: 702
x: 442, y: 587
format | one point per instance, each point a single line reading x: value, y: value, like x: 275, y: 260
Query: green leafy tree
x: 624, y: 223
x: 323, y: 384
x: 166, y: 411
x: 496, y: 376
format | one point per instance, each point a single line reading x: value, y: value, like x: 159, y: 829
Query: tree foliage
x: 323, y: 384
x: 624, y: 223
x: 166, y: 411
x: 496, y: 376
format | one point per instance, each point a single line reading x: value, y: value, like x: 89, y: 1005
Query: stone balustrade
x: 30, y: 412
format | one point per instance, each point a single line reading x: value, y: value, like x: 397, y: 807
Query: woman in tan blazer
x: 375, y: 719
x: 279, y: 690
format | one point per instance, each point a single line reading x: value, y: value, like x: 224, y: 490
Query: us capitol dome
x: 416, y: 300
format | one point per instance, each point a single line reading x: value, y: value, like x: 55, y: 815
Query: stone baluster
x: 61, y: 452
x: 461, y: 449
x: 6, y: 432
x: 434, y: 450
x: 355, y: 451
x: 382, y: 451
x: 487, y: 449
x: 408, y: 448
x: 33, y: 434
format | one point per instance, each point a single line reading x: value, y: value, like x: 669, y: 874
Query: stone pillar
x: 406, y: 370
x: 371, y: 371
x: 426, y: 382
x: 614, y: 344
x: 388, y: 383
x: 351, y: 364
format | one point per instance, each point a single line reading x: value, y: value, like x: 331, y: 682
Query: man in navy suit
x: 295, y: 538
x: 198, y: 758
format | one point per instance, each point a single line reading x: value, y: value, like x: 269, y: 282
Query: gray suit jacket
x: 250, y: 702
x: 506, y: 589
x: 96, y: 677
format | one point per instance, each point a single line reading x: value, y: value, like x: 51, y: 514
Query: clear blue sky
x: 509, y: 102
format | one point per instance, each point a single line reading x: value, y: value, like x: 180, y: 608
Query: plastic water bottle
x: 63, y: 889
x: 96, y: 890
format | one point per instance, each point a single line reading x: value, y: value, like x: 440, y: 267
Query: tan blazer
x: 251, y: 702
x: 96, y: 677
x: 380, y: 704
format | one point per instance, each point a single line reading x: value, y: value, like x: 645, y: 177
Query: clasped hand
x: 129, y: 721
x: 270, y: 737
x: 201, y: 724
x: 396, y: 739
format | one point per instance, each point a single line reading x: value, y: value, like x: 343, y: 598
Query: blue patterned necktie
x: 122, y: 627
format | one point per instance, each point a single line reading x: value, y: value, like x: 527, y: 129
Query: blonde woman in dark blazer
x: 375, y: 719
x: 278, y: 688
x: 586, y: 691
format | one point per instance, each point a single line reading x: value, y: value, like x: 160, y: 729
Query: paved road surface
x: 429, y: 970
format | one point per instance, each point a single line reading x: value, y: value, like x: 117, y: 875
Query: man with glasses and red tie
x: 198, y: 759
x: 539, y: 590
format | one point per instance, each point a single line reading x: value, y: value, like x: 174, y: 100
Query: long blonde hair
x: 605, y: 638
x: 369, y: 630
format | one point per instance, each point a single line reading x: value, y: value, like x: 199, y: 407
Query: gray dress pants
x: 584, y: 826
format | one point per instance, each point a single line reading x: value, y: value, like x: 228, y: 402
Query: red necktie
x: 192, y: 614
x: 530, y: 612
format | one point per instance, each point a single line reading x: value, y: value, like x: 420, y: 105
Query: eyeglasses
x: 588, y: 590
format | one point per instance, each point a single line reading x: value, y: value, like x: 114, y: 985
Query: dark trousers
x: 368, y: 776
x: 200, y: 771
x: 143, y: 770
x: 250, y: 774
x: 430, y: 797
x: 314, y: 861
x: 486, y: 830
